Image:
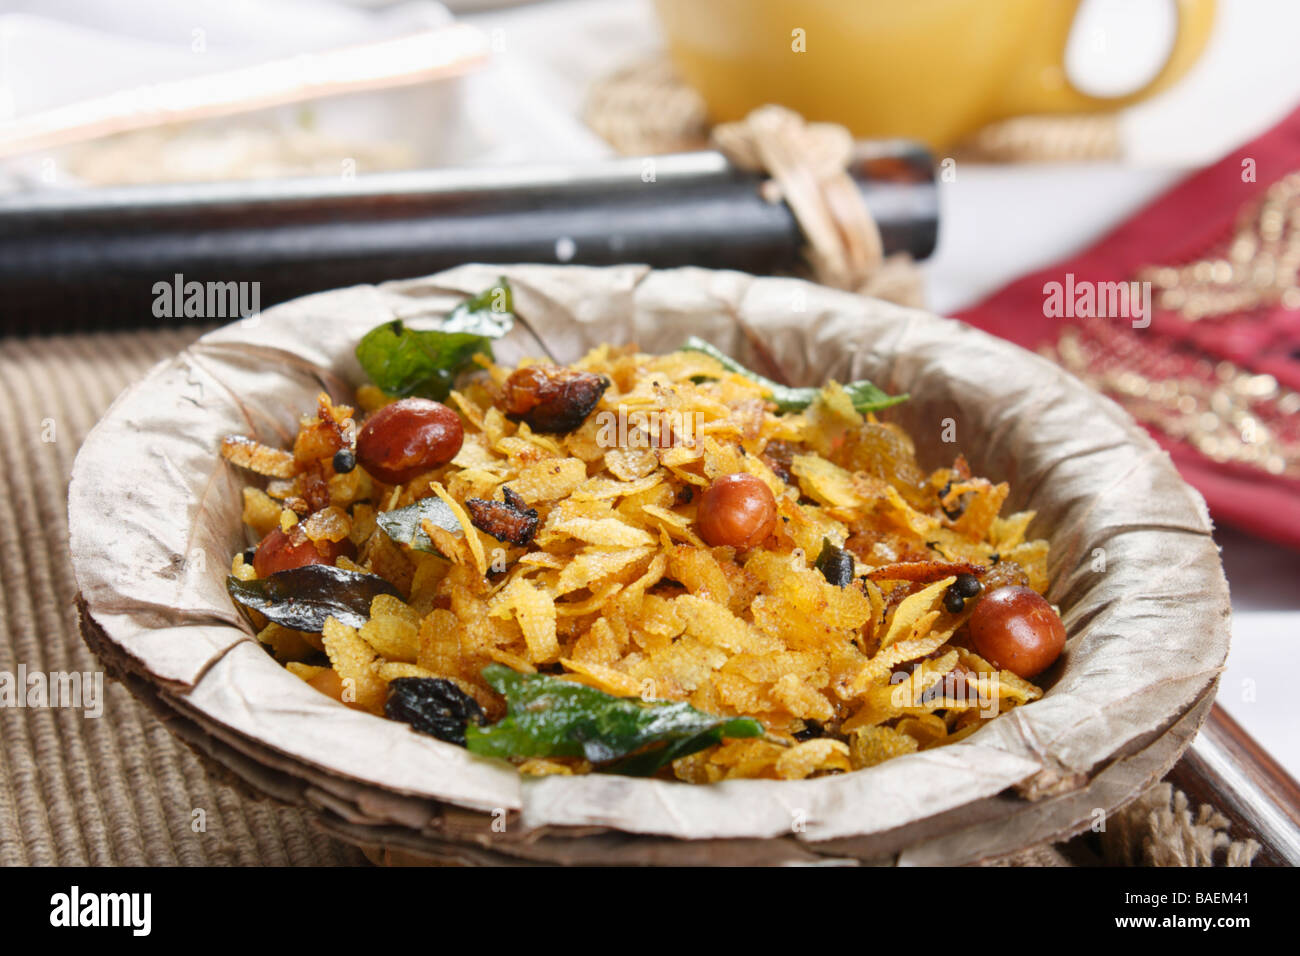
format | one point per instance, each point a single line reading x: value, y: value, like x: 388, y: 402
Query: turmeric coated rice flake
x: 656, y: 528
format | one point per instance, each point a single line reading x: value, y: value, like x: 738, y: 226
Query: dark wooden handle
x: 91, y: 258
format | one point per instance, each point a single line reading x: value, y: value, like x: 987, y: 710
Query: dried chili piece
x: 511, y: 521
x: 927, y: 571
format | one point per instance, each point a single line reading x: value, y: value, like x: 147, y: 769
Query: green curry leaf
x: 865, y: 396
x: 403, y: 361
x: 550, y: 717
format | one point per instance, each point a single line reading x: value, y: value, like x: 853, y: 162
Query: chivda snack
x: 641, y: 564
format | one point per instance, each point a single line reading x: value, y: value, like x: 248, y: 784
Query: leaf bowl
x: 155, y: 514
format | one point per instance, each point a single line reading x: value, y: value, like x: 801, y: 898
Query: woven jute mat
x: 119, y: 788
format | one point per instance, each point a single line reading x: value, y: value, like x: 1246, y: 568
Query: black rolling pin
x: 90, y: 259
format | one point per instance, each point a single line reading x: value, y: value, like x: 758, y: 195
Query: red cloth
x: 1190, y: 222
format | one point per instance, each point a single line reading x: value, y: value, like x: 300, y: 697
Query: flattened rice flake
x: 869, y: 746
x: 617, y: 590
x: 354, y: 661
x: 534, y: 610
x: 803, y: 759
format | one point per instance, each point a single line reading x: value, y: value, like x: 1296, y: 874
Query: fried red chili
x: 510, y: 521
x: 927, y: 571
x: 551, y: 399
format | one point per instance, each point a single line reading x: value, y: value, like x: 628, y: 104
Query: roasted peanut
x: 737, y: 510
x: 1016, y: 629
x: 401, y: 440
x: 281, y: 550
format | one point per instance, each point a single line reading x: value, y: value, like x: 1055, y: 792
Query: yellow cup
x: 933, y: 70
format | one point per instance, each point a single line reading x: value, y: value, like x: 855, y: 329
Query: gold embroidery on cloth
x: 1258, y: 268
x: 1229, y: 414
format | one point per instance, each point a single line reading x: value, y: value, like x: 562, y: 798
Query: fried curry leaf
x: 403, y: 361
x: 550, y: 717
x: 835, y: 564
x: 301, y: 598
x: 865, y: 396
x: 406, y: 525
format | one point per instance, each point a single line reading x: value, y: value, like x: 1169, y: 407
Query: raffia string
x: 808, y: 165
x: 644, y: 108
x: 1159, y: 829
